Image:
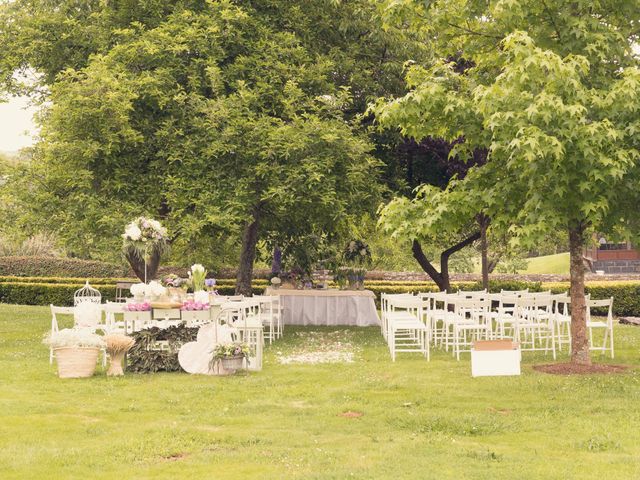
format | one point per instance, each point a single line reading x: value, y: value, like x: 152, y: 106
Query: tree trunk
x: 579, y: 340
x: 441, y: 278
x: 248, y: 255
x: 483, y: 221
x: 137, y: 264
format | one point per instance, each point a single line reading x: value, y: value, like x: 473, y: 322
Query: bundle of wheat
x: 117, y: 346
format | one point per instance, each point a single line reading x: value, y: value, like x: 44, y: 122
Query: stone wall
x: 617, y: 266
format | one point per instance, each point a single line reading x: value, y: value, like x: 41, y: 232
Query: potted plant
x: 230, y: 356
x: 76, y: 351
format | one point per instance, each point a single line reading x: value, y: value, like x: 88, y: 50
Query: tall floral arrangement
x: 144, y: 242
x: 198, y: 275
x: 358, y: 257
x: 357, y: 253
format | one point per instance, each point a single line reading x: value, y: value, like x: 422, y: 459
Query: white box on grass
x: 495, y: 358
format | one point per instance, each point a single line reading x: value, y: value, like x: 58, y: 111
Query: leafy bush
x: 67, y: 280
x: 59, y: 267
x: 46, y: 293
x: 143, y: 358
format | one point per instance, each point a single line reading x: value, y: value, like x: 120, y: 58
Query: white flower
x: 77, y: 337
x: 133, y: 232
x: 155, y: 289
x: 197, y: 267
x: 155, y: 224
x: 276, y: 281
x: 138, y: 289
x: 363, y: 252
x: 352, y: 246
x: 201, y: 296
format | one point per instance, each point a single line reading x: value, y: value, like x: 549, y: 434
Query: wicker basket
x: 76, y: 362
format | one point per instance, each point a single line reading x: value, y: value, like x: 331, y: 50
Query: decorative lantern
x: 87, y: 294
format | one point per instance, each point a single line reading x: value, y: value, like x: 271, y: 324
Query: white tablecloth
x: 328, y: 307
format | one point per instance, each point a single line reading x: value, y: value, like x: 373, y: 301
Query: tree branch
x: 426, y: 265
x: 459, y: 246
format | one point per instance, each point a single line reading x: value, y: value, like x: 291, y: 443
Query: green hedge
x: 46, y: 293
x: 28, y: 291
x: 59, y: 267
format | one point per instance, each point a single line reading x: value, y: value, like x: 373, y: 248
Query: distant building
x: 613, y: 257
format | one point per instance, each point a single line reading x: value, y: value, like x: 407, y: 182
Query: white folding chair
x: 55, y: 311
x: 406, y: 332
x: 607, y: 325
x: 535, y: 328
x: 469, y: 321
x: 504, y: 315
x: 269, y: 315
x: 112, y: 324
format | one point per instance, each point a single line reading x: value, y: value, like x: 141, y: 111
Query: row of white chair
x: 537, y: 320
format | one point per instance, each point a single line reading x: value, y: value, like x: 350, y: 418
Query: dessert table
x: 327, y: 307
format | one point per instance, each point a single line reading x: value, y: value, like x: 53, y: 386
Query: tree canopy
x: 551, y: 94
x: 223, y: 119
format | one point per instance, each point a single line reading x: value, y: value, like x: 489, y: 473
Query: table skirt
x: 356, y: 310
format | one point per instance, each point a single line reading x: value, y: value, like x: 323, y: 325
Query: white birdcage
x: 87, y: 294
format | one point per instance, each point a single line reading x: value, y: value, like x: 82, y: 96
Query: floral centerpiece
x: 193, y: 305
x: 230, y: 355
x: 154, y: 290
x: 176, y: 286
x: 198, y: 274
x: 358, y: 256
x: 76, y: 351
x: 138, y: 290
x: 276, y: 282
x: 144, y: 242
x: 138, y: 306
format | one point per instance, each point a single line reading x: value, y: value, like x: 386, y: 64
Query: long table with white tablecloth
x: 327, y: 307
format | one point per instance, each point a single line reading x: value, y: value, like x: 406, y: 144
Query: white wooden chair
x: 469, y: 321
x: 606, y: 325
x: 388, y: 311
x: 270, y: 315
x: 113, y: 310
x: 535, y: 329
x: 504, y: 315
x: 55, y: 311
x: 405, y: 330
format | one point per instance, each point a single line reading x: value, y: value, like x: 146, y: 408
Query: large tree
x: 220, y: 118
x: 552, y: 96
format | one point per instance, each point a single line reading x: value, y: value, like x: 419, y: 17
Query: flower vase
x: 115, y: 364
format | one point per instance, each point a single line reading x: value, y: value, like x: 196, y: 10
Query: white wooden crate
x: 498, y: 359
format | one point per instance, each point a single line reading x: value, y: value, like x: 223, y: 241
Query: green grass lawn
x: 419, y: 420
x: 558, y: 263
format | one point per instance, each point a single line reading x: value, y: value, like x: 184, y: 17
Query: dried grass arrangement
x: 117, y: 347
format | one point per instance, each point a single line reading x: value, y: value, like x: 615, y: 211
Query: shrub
x: 66, y: 280
x: 59, y: 267
x: 46, y: 293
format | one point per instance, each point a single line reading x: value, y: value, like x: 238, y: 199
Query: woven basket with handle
x: 76, y: 362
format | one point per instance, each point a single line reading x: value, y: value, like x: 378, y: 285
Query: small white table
x: 327, y: 307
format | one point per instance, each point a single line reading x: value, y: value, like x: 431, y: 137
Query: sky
x: 16, y: 124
